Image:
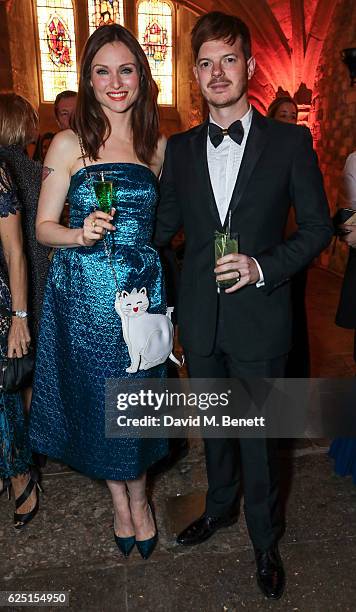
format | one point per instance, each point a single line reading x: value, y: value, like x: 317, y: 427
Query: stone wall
x: 189, y: 101
x: 5, y: 57
x: 23, y: 51
x: 18, y: 70
x: 333, y: 115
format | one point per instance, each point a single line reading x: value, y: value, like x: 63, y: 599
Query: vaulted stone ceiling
x: 288, y: 37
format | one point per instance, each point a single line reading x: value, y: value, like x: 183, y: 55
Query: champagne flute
x: 104, y: 192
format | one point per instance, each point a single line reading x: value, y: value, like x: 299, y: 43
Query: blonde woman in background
x: 19, y: 185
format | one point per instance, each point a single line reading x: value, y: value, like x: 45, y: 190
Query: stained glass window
x: 57, y: 47
x: 104, y: 12
x: 155, y: 33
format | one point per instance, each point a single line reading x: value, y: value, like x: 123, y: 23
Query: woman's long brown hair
x: 90, y: 121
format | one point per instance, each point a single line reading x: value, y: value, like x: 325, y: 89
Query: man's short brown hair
x: 63, y: 95
x: 216, y: 26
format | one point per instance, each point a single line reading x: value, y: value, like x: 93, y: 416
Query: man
x: 64, y: 107
x: 253, y: 171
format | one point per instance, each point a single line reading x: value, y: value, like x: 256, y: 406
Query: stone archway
x: 288, y: 37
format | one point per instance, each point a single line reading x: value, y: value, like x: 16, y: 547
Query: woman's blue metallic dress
x: 80, y: 341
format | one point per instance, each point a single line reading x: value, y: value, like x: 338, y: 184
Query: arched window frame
x: 38, y: 49
x: 174, y: 59
x: 89, y: 4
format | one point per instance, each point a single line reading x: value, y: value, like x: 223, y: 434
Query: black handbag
x: 16, y: 373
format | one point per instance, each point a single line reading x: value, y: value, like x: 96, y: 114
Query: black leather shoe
x: 203, y: 528
x: 270, y: 573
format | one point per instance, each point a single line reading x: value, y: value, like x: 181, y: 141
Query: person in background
x: 26, y: 174
x: 42, y: 146
x: 20, y: 180
x: 19, y: 124
x: 343, y: 450
x: 285, y: 109
x: 64, y: 108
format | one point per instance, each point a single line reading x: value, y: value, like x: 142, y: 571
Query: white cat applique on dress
x: 149, y: 337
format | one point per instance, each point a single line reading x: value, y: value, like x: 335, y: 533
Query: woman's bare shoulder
x: 65, y: 141
x: 63, y: 151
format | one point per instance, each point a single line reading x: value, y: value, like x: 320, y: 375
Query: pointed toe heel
x: 146, y: 547
x: 125, y: 545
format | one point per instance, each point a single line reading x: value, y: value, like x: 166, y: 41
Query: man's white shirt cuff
x: 261, y: 282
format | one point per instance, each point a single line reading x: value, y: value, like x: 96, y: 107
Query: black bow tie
x: 235, y: 131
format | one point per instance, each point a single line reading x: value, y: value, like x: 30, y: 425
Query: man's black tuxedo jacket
x: 278, y: 167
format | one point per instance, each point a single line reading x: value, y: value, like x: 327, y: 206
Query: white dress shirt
x: 224, y: 163
x: 347, y: 194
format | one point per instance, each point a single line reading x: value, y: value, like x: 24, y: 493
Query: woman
x: 81, y: 342
x: 283, y: 108
x: 18, y: 122
x: 26, y: 174
x: 343, y: 450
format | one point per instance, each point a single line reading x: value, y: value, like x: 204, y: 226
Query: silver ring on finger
x: 238, y: 276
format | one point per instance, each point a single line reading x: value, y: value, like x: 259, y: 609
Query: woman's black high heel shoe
x: 20, y: 520
x: 146, y: 547
x: 125, y: 545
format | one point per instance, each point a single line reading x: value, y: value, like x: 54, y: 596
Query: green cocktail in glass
x: 103, y: 191
x: 226, y: 243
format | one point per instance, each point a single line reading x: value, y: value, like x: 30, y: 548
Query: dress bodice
x: 134, y: 198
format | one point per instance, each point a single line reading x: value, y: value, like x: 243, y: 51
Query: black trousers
x: 229, y: 461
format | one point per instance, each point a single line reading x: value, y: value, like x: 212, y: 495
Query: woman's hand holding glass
x: 96, y: 225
